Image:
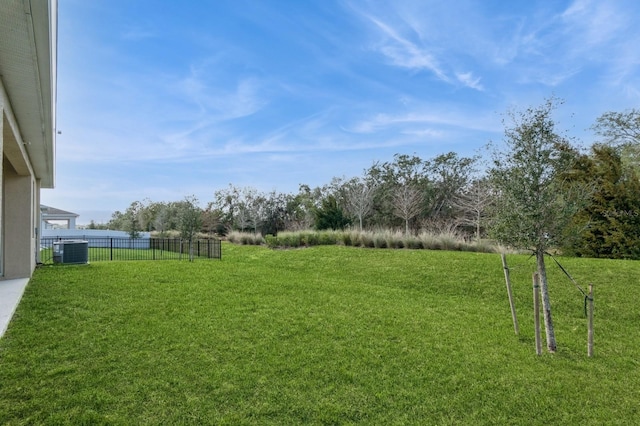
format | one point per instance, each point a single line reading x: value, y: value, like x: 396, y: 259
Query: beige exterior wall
x: 19, y: 200
x: 28, y: 61
x: 19, y: 241
x: 1, y: 181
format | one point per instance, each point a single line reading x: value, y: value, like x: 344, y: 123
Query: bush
x: 271, y: 240
x: 289, y: 239
x: 309, y: 238
x: 328, y: 238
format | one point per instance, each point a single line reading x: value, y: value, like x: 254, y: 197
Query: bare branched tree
x: 407, y: 204
x: 474, y: 203
x: 622, y: 131
x: 358, y: 194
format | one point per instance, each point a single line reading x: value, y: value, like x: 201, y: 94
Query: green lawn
x: 325, y: 335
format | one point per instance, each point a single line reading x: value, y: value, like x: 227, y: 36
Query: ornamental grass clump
x: 329, y: 238
x: 429, y: 240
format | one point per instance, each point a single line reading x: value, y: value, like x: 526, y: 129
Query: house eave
x: 28, y: 62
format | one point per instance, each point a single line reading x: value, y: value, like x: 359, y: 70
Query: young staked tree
x: 533, y: 205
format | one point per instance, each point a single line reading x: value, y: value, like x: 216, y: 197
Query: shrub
x: 309, y: 238
x: 328, y: 238
x: 289, y: 239
x: 271, y: 240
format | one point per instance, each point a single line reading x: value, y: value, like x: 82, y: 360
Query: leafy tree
x: 162, y: 219
x: 116, y: 221
x: 189, y: 217
x: 274, y: 212
x: 131, y: 219
x: 407, y: 174
x: 301, y: 208
x: 330, y: 216
x: 242, y: 208
x: 190, y: 220
x: 609, y: 225
x: 449, y: 175
x: 533, y: 207
x: 622, y: 130
x: 212, y: 220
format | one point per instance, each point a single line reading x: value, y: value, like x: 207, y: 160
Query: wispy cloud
x: 469, y: 80
x: 594, y: 22
x: 405, y: 45
x: 213, y: 99
x: 405, y: 53
x: 381, y: 122
x: 586, y: 35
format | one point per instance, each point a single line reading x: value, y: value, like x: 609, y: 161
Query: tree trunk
x: 546, y: 303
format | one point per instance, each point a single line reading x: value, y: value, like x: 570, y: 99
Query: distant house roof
x: 52, y: 213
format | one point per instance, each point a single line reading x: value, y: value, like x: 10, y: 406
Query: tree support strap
x: 586, y: 296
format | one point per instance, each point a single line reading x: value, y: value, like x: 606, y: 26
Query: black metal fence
x: 118, y: 248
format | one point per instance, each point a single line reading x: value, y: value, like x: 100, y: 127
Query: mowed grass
x: 325, y: 335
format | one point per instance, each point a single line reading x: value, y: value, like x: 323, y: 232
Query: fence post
x: 510, y: 294
x: 590, y: 330
x: 536, y: 312
x: 111, y: 250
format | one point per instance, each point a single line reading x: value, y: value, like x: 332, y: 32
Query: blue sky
x: 160, y: 99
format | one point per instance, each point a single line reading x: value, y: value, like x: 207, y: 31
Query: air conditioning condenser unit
x: 71, y: 251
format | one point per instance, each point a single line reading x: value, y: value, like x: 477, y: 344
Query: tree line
x: 539, y: 188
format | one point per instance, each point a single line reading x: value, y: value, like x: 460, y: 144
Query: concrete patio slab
x: 10, y: 294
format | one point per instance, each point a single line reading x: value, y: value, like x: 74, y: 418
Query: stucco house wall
x: 28, y: 47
